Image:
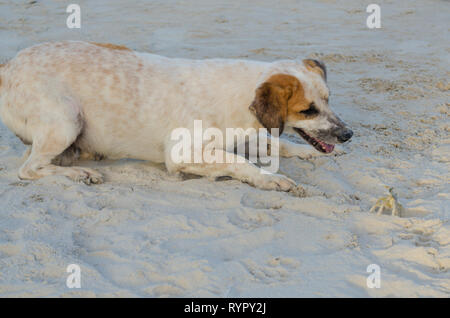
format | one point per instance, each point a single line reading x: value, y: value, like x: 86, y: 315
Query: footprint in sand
x: 263, y: 200
x: 250, y: 219
x: 276, y: 269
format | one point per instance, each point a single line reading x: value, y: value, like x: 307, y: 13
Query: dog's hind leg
x: 51, y: 139
x: 67, y: 157
x: 26, y: 154
x: 45, y: 148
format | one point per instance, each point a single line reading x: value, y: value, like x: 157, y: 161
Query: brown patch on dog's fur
x: 111, y: 46
x: 317, y: 67
x: 280, y: 96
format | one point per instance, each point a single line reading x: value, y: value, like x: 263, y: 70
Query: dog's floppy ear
x: 316, y: 66
x: 271, y: 101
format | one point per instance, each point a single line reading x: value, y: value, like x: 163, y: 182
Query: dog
x: 93, y: 100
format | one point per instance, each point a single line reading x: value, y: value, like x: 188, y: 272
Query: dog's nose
x: 346, y: 135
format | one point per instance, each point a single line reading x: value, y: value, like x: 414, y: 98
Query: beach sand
x: 145, y: 233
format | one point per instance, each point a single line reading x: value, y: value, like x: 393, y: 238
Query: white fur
x: 124, y: 104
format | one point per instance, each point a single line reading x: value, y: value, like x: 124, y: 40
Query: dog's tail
x: 1, y: 66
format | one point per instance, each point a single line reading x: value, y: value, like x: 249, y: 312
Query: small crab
x: 389, y: 202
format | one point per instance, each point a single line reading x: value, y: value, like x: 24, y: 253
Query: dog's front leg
x: 234, y: 166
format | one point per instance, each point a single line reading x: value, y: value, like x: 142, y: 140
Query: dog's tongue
x: 327, y: 147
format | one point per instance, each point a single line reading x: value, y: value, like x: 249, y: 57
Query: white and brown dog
x: 107, y: 100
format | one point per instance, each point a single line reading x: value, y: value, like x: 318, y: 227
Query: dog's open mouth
x: 316, y: 143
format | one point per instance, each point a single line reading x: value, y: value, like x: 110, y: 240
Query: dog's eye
x: 312, y: 110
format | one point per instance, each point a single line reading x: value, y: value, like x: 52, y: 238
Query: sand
x: 145, y: 233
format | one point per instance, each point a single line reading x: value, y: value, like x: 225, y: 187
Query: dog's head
x: 298, y: 98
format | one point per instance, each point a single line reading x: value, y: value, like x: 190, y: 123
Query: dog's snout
x: 345, y: 135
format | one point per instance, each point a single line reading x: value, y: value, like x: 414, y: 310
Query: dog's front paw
x: 276, y: 182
